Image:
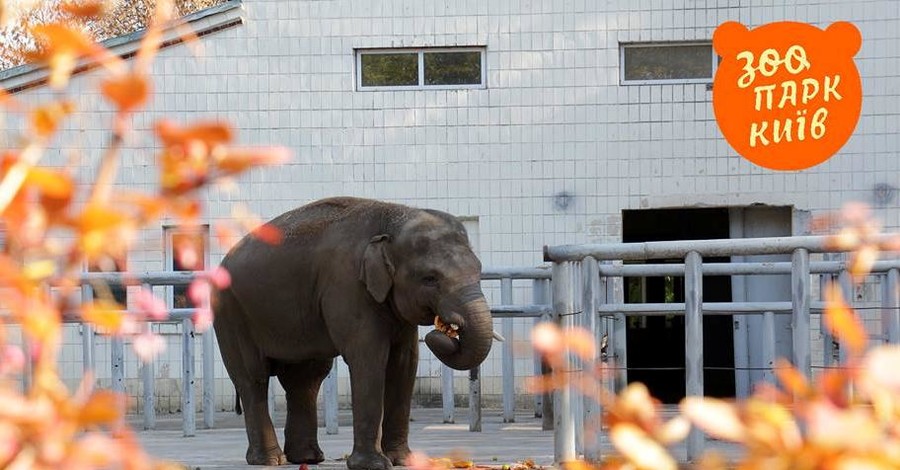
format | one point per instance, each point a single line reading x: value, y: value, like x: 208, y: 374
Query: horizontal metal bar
x: 520, y: 311
x: 706, y: 248
x: 489, y: 273
x: 727, y: 269
x: 709, y: 308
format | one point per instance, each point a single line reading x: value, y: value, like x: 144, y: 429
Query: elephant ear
x: 377, y: 271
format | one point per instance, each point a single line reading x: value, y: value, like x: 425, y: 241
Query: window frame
x: 666, y: 81
x: 420, y: 57
x: 169, y: 255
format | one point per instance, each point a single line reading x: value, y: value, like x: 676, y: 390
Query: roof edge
x: 203, y: 22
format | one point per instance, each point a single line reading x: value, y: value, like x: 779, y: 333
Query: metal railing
x: 585, y: 289
x: 539, y: 309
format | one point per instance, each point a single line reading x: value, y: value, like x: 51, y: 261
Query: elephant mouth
x: 452, y: 329
x: 449, y: 329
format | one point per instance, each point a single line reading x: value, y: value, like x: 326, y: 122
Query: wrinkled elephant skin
x: 352, y: 277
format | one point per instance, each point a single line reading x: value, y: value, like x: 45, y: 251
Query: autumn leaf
x: 62, y: 46
x: 640, y: 449
x: 127, y: 92
x: 106, y: 315
x: 715, y: 417
x: 793, y: 381
x: 104, y: 407
x: 843, y: 323
x: 208, y: 133
x: 45, y: 119
x: 239, y: 160
x: 87, y: 9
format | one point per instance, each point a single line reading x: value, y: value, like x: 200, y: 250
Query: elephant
x: 351, y: 277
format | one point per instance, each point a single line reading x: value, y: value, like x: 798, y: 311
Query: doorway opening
x: 655, y: 344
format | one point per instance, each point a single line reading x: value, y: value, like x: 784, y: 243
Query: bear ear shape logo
x: 845, y: 37
x: 729, y: 37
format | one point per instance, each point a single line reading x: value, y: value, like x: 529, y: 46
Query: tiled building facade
x: 551, y: 149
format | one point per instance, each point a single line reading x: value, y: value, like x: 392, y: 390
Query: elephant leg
x: 301, y: 383
x: 399, y: 381
x: 367, y: 381
x: 249, y: 371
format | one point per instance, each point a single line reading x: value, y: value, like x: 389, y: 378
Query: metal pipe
x: 891, y: 303
x: 209, y: 378
x: 768, y: 346
x: 117, y: 363
x: 147, y: 373
x: 615, y: 292
x: 735, y: 268
x: 330, y: 393
x: 709, y: 308
x: 846, y: 282
x: 271, y: 399
x: 494, y: 273
x: 447, y: 399
x: 800, y: 325
x: 508, y: 363
x: 564, y: 312
x: 593, y: 411
x: 705, y: 248
x: 538, y: 298
x: 475, y: 400
x: 87, y: 336
x: 693, y: 343
x: 828, y: 346
x: 188, y: 424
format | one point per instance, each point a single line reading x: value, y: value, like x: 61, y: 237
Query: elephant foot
x: 398, y: 456
x: 370, y: 460
x: 308, y: 453
x: 270, y: 457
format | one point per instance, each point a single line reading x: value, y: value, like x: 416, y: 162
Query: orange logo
x: 787, y: 95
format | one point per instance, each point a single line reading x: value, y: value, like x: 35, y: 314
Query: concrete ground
x: 499, y: 443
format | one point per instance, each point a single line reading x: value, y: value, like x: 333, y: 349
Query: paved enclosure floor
x: 499, y: 443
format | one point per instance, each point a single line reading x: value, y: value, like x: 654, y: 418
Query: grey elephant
x: 352, y: 277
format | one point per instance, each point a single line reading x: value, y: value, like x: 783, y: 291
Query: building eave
x: 202, y: 23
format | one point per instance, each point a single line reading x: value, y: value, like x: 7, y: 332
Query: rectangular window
x: 647, y: 63
x: 186, y: 250
x: 420, y: 68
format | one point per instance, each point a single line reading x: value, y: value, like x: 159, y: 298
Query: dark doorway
x: 657, y: 342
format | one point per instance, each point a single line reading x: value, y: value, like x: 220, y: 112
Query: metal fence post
x: 508, y: 364
x: 87, y: 336
x: 890, y: 302
x: 209, y: 378
x: 593, y: 411
x: 846, y: 282
x: 828, y: 348
x: 117, y: 363
x: 447, y: 397
x: 188, y: 424
x: 271, y: 399
x: 475, y: 400
x: 538, y: 298
x: 330, y: 393
x: 768, y: 346
x: 615, y: 293
x: 563, y: 310
x: 800, y: 287
x: 693, y: 336
x: 148, y: 376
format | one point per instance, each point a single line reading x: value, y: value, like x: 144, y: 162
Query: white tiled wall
x: 553, y: 118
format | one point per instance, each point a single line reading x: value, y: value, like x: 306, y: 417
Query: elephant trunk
x: 470, y: 312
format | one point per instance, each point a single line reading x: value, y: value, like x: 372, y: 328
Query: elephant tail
x: 237, y: 404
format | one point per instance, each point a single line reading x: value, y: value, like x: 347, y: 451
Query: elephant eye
x: 430, y: 281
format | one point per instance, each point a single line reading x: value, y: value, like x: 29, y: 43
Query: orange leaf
x: 97, y: 217
x: 236, y: 161
x: 127, y: 92
x: 717, y: 418
x: 45, y: 119
x: 581, y: 342
x: 843, y: 323
x: 62, y: 46
x: 106, y: 315
x: 791, y: 378
x: 640, y: 449
x: 862, y: 260
x: 52, y: 183
x: 103, y: 407
x: 209, y: 133
x: 84, y: 9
